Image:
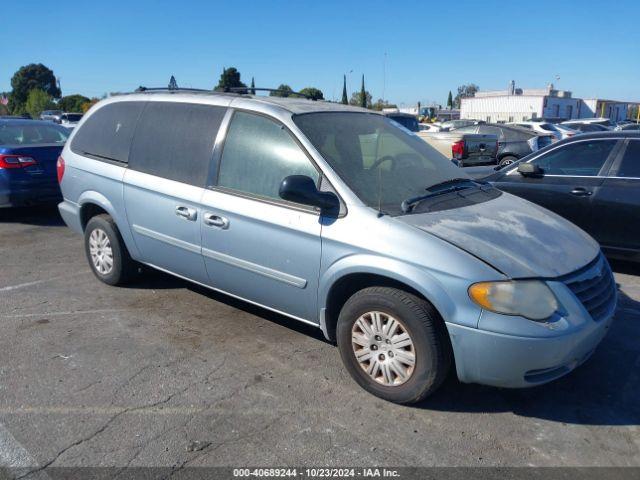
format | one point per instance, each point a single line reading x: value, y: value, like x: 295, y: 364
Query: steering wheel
x: 381, y: 160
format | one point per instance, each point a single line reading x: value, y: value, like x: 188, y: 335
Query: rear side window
x: 258, y: 154
x: 31, y: 133
x: 175, y: 141
x: 107, y: 133
x: 630, y: 166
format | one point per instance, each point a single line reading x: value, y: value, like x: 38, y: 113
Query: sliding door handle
x: 186, y: 212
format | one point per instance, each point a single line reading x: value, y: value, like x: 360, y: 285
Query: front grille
x: 595, y: 287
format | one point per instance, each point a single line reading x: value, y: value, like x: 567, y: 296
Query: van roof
x: 294, y: 105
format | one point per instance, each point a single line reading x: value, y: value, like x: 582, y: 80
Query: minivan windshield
x: 382, y: 162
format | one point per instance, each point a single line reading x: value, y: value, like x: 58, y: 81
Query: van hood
x: 515, y: 236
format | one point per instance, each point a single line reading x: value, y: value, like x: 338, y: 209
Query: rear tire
x: 507, y: 160
x: 107, y: 254
x: 389, y: 327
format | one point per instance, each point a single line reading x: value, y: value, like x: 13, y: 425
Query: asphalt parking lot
x: 165, y: 373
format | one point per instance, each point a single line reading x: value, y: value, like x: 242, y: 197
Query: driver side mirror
x: 529, y: 170
x: 302, y: 189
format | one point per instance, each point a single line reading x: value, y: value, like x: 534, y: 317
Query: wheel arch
x: 342, y: 280
x: 93, y: 203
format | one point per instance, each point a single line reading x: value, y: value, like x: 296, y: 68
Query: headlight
x: 528, y: 298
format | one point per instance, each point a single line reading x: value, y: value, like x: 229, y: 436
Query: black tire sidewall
x: 507, y: 157
x: 105, y: 223
x: 424, y: 377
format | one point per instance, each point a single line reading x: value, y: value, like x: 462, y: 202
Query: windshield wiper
x: 441, y: 188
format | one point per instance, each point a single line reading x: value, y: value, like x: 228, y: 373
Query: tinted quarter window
x: 409, y: 123
x: 576, y: 159
x: 489, y: 130
x: 630, y: 166
x: 107, y: 133
x: 175, y: 141
x: 258, y: 154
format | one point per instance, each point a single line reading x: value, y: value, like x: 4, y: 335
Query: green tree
x: 356, y: 98
x: 450, y: 101
x: 37, y: 101
x: 87, y: 105
x: 253, y: 87
x: 345, y: 99
x: 72, y: 103
x: 364, y: 101
x: 173, y: 85
x: 380, y: 104
x: 465, y: 91
x: 312, y: 93
x: 283, y: 91
x: 30, y: 77
x: 230, y: 78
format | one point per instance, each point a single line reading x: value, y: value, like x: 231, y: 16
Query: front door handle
x: 581, y: 192
x: 186, y: 212
x: 214, y: 220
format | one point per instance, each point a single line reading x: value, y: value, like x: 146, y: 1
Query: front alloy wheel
x: 383, y: 347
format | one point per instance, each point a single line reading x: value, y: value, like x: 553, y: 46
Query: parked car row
x: 462, y: 147
x: 66, y: 119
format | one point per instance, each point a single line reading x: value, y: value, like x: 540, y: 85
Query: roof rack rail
x: 258, y: 89
x: 167, y: 89
x: 236, y: 90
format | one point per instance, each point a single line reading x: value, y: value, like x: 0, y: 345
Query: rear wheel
x: 107, y: 254
x: 507, y: 160
x: 393, y: 344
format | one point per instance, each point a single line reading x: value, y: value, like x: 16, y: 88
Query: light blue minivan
x: 338, y: 217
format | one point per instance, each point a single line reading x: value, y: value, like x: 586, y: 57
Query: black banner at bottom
x: 400, y: 473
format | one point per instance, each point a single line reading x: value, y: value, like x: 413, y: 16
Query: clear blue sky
x: 431, y: 46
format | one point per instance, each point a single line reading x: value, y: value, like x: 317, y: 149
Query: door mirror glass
x: 529, y: 169
x: 302, y: 189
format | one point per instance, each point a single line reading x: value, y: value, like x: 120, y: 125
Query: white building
x: 516, y: 104
x: 594, y: 107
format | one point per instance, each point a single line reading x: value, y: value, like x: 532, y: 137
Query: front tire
x: 507, y: 160
x: 107, y: 254
x: 394, y: 344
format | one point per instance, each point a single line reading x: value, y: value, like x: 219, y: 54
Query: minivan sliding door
x: 168, y: 168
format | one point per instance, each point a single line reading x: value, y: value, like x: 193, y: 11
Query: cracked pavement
x: 92, y: 375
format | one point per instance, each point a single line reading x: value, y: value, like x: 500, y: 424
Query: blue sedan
x: 29, y: 150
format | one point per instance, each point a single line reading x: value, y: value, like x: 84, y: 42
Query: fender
x: 417, y: 278
x: 91, y: 196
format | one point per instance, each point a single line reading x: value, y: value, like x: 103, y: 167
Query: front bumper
x: 515, y: 362
x: 511, y: 351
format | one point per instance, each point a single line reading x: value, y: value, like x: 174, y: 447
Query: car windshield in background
x: 25, y: 134
x: 382, y: 163
x: 72, y: 117
x: 410, y: 123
